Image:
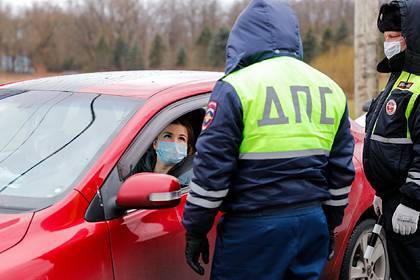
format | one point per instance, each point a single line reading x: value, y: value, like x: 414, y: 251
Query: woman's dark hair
x: 190, y: 131
x: 148, y: 161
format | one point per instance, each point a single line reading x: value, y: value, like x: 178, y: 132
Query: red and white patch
x: 211, y: 112
x: 391, y: 107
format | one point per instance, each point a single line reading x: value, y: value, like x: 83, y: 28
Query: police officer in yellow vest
x: 275, y: 155
x: 392, y: 144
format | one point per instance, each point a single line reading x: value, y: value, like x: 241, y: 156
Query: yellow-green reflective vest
x: 289, y: 109
x: 406, y: 81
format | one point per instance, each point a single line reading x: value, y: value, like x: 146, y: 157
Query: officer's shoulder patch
x: 391, y: 107
x: 210, y: 113
x: 405, y: 85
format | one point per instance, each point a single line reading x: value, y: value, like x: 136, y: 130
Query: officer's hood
x: 410, y: 28
x: 266, y: 28
x: 410, y: 24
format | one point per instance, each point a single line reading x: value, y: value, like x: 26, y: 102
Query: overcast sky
x: 23, y: 3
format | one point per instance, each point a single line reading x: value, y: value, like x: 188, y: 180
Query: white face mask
x: 392, y: 48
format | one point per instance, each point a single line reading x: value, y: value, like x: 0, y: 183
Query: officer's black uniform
x: 392, y: 143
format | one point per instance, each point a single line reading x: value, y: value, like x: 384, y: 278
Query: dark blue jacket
x: 393, y: 169
x: 265, y: 29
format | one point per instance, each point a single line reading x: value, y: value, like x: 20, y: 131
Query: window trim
x: 148, y: 134
x: 145, y: 137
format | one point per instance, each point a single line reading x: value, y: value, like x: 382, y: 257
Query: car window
x: 187, y: 128
x: 138, y: 148
x: 50, y: 138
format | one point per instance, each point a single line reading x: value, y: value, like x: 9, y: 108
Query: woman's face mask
x: 171, y: 153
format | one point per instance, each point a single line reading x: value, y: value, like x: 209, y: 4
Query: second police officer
x: 392, y: 144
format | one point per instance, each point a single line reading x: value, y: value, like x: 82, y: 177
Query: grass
x: 338, y: 63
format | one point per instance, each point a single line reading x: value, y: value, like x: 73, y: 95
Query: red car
x: 70, y: 205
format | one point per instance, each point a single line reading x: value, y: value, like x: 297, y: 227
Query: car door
x: 147, y: 244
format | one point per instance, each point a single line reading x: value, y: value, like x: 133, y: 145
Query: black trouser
x: 403, y: 250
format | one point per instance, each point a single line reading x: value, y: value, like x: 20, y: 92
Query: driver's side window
x: 141, y: 156
x: 173, y: 149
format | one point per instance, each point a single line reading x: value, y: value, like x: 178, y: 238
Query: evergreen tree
x: 202, y: 47
x: 102, y: 54
x: 342, y: 32
x: 135, y: 58
x: 327, y: 38
x: 121, y: 53
x: 218, y: 47
x: 157, y: 52
x: 70, y: 64
x: 181, y: 58
x: 205, y: 37
x: 310, y: 46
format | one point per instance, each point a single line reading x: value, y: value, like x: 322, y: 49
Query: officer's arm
x: 411, y: 189
x: 340, y: 173
x: 216, y: 159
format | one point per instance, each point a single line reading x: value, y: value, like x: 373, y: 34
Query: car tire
x: 355, y: 266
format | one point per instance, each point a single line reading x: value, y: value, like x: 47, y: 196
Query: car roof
x: 141, y: 84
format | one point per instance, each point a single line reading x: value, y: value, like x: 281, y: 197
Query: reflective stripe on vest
x: 288, y: 154
x: 416, y: 93
x: 414, y: 82
x: 391, y: 140
x: 289, y: 109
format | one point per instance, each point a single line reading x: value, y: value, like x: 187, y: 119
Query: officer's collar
x: 412, y: 63
x: 395, y: 64
x: 405, y: 61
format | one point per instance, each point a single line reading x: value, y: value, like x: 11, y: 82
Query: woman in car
x: 171, y: 152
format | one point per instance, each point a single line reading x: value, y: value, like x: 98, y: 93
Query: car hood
x: 13, y: 228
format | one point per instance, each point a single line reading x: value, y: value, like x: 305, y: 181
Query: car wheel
x: 354, y: 266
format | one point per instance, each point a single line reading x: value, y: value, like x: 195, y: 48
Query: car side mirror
x: 366, y: 106
x: 149, y: 191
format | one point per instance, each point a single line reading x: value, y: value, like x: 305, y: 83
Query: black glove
x: 195, y: 246
x: 331, y: 246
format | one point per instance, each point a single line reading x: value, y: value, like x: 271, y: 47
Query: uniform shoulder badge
x: 405, y: 85
x: 391, y: 107
x: 211, y: 112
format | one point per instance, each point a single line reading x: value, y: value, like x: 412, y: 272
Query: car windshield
x: 49, y: 139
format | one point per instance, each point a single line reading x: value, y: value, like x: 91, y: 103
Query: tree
x: 157, y: 52
x: 102, y: 54
x: 70, y: 64
x: 121, y: 52
x: 202, y: 44
x: 342, y: 32
x: 309, y: 46
x: 39, y: 28
x: 121, y: 34
x: 135, y: 58
x: 181, y: 58
x: 327, y: 38
x: 205, y: 37
x: 218, y: 47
